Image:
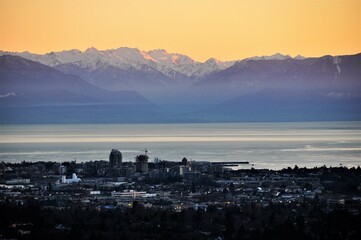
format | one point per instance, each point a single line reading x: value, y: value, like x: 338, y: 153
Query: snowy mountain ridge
x: 124, y: 58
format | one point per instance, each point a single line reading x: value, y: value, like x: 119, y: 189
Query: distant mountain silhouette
x: 268, y: 88
x: 27, y: 82
x: 149, y: 73
x: 31, y: 92
x: 328, y: 74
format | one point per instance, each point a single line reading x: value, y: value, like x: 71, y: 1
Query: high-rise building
x: 142, y: 163
x: 115, y: 158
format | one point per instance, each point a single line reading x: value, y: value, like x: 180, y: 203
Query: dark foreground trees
x: 247, y: 222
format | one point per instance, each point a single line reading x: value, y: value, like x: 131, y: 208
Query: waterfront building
x: 115, y: 158
x: 142, y: 163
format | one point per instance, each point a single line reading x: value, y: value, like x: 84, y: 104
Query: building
x: 182, y: 169
x: 115, y: 158
x: 62, y: 170
x: 73, y: 179
x: 128, y: 194
x: 142, y: 163
x: 17, y: 181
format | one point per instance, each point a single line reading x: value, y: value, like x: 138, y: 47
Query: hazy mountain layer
x: 31, y: 92
x: 270, y: 88
x: 33, y: 82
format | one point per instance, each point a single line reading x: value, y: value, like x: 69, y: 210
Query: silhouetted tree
x: 231, y: 187
x: 193, y: 190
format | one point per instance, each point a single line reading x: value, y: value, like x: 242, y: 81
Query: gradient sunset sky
x: 224, y: 29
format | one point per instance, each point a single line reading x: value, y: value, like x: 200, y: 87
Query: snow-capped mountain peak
x: 213, y: 61
x: 91, y: 49
x: 172, y: 65
x: 165, y: 58
x: 129, y: 59
x: 155, y: 52
x: 299, y: 57
x: 277, y: 56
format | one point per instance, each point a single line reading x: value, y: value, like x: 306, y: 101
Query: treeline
x: 251, y: 221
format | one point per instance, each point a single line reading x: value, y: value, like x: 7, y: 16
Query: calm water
x: 266, y: 145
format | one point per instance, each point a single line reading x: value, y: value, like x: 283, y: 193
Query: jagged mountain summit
x: 169, y: 64
x: 275, y: 87
x: 129, y: 68
x: 124, y: 58
x: 277, y: 56
x: 153, y: 73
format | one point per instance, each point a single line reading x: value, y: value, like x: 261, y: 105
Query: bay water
x: 264, y: 145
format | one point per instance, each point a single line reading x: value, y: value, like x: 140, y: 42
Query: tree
x: 231, y: 187
x: 193, y: 190
x: 50, y: 187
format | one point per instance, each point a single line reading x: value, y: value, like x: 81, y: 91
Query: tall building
x: 115, y: 158
x: 142, y: 163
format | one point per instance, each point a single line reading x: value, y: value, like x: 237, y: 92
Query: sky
x: 201, y: 29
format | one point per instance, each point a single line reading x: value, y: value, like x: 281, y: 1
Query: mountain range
x: 158, y: 86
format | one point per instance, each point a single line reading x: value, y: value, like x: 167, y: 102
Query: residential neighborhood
x: 186, y: 186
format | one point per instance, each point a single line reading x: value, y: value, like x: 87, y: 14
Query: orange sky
x: 224, y: 29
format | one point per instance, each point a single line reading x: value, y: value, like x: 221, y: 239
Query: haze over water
x: 266, y: 145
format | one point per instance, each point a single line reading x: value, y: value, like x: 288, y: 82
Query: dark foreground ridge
x: 177, y: 200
